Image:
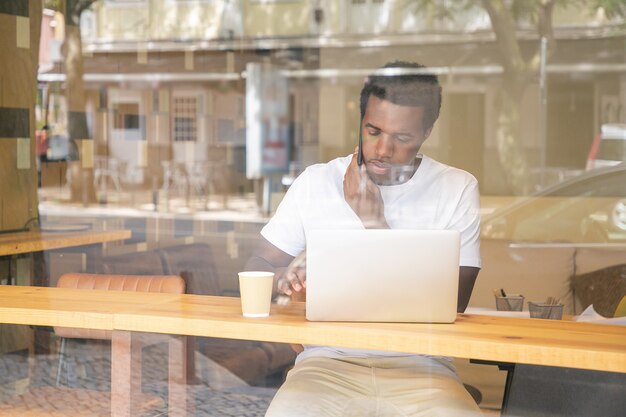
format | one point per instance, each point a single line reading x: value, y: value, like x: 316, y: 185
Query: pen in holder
x: 508, y: 302
x: 551, y: 309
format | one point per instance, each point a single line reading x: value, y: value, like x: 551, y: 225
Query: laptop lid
x: 382, y: 275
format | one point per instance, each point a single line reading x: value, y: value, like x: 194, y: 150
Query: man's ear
x: 426, y: 135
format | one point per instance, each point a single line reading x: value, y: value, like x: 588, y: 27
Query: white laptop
x: 382, y: 275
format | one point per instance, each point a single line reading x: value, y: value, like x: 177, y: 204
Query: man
x: 394, y: 187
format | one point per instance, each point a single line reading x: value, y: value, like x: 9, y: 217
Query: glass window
x: 184, y: 126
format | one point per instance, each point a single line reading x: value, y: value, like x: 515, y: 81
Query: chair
x: 252, y: 361
x: 77, y: 401
x: 137, y: 263
x: 620, y: 311
x: 176, y: 176
x: 196, y: 264
x: 553, y: 391
x: 604, y: 288
x: 106, y: 169
x: 546, y: 391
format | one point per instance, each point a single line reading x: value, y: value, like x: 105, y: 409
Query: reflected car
x: 609, y: 147
x: 589, y: 208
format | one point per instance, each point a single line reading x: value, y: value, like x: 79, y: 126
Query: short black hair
x: 406, y: 84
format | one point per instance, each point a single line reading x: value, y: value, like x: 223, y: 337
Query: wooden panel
x: 19, y: 49
x: 18, y: 187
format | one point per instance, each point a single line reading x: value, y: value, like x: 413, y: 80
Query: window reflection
x: 155, y: 123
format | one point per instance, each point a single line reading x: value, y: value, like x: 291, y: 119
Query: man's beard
x: 398, y: 174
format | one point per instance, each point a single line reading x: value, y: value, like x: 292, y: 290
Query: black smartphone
x: 359, y: 156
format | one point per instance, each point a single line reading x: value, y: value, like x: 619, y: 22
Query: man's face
x: 392, y: 136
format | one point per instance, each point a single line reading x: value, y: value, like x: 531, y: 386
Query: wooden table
x: 35, y: 241
x: 530, y: 341
x: 40, y: 243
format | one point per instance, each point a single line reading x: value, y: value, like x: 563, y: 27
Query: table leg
x: 40, y: 270
x: 191, y: 360
x: 40, y: 278
x: 93, y: 254
x: 510, y: 371
x: 125, y: 374
x: 180, y: 402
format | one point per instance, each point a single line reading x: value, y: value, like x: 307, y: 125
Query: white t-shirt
x: 436, y: 197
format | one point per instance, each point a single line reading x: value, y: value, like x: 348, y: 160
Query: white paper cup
x: 255, y: 288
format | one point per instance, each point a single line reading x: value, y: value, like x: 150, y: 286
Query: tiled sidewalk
x: 218, y: 392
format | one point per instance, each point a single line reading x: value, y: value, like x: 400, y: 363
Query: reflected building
x: 165, y: 83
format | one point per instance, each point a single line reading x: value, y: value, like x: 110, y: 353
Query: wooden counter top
x: 519, y: 340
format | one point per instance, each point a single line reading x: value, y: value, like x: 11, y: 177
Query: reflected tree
x: 81, y: 187
x: 80, y: 173
x: 519, y: 70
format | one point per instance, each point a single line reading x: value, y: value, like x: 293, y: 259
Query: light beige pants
x: 381, y: 387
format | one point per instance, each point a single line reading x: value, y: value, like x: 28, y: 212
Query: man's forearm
x: 467, y: 278
x: 258, y: 263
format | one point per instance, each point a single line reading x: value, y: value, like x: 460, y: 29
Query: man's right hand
x: 363, y: 195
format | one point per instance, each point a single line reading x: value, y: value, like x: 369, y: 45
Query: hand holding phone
x: 363, y: 195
